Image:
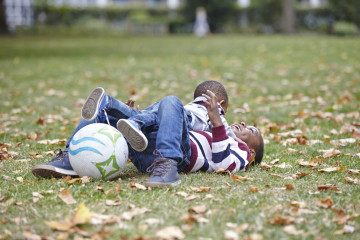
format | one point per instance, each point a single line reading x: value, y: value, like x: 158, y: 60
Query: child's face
x: 248, y: 134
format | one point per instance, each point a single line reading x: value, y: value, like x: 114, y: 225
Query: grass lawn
x: 303, y: 93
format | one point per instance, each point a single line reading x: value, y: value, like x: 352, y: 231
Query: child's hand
x: 131, y: 103
x: 212, y: 108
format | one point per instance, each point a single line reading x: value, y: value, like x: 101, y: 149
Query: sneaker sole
x: 46, y: 171
x: 137, y: 140
x: 91, y: 107
x: 160, y: 184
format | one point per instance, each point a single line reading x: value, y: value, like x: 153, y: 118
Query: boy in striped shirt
x: 181, y: 150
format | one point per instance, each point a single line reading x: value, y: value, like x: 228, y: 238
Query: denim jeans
x: 165, y: 124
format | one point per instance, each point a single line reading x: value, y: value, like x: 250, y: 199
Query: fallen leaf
x: 200, y: 209
x: 137, y: 186
x: 291, y: 229
x: 330, y: 169
x: 239, y: 178
x: 82, y: 215
x: 352, y: 180
x: 265, y: 166
x: 59, y: 225
x: 331, y: 153
x: 170, y: 233
x: 281, y: 220
x: 325, y: 203
x: 274, y: 161
x: 181, y: 193
x: 346, y: 229
x: 289, y: 187
x: 353, y: 171
x: 200, y: 189
x: 190, y: 198
x: 112, y: 203
x: 134, y: 212
x: 341, y: 217
x: 298, y: 204
x: 276, y: 175
x: 254, y: 189
x: 299, y: 175
x: 66, y: 196
x: 327, y: 187
x: 231, y: 235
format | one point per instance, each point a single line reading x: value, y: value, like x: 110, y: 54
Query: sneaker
x: 133, y: 134
x: 93, y: 104
x: 58, y: 167
x: 163, y: 173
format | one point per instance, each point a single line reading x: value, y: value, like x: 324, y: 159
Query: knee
x: 171, y: 101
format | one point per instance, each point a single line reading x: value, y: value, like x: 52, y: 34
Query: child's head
x: 252, y: 137
x: 216, y: 88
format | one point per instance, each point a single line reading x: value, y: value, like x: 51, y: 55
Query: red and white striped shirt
x: 213, y: 151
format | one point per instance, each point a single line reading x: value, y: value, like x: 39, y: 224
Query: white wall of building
x: 18, y: 13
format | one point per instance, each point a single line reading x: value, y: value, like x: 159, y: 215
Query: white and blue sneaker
x: 163, y: 173
x: 94, y: 103
x: 132, y: 133
x: 58, y: 167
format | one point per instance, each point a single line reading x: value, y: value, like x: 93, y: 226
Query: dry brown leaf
x: 352, y: 180
x: 265, y: 166
x: 112, y: 203
x: 255, y: 236
x: 239, y: 178
x: 291, y: 229
x: 181, y: 193
x: 66, y: 196
x: 82, y: 215
x: 60, y: 225
x: 134, y: 212
x: 7, y: 203
x: 281, y: 220
x: 289, y: 187
x: 327, y: 187
x: 190, y: 198
x: 330, y: 169
x: 299, y: 175
x: 310, y: 163
x: 274, y: 161
x: 298, y: 204
x: 276, y: 175
x: 200, y: 189
x: 170, y: 233
x: 353, y: 171
x: 331, y: 153
x: 254, y: 189
x: 31, y: 236
x: 325, y: 203
x: 137, y: 186
x: 200, y: 209
x: 346, y: 229
x: 341, y: 216
x: 231, y: 235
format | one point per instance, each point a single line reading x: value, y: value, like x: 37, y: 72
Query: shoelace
x: 60, y: 154
x: 160, y: 166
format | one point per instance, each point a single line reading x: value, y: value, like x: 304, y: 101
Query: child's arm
x: 212, y: 108
x: 227, y: 153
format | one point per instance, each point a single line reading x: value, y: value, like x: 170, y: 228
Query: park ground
x: 302, y: 92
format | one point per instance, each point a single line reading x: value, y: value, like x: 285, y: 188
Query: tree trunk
x: 288, y: 16
x: 3, y: 25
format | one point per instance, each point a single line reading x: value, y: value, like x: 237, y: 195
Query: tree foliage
x: 346, y: 10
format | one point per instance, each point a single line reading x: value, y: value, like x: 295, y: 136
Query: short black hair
x: 259, y: 150
x: 213, y: 86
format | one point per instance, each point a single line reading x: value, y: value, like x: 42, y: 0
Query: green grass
x: 272, y: 77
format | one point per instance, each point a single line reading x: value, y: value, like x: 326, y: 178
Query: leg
x: 172, y: 144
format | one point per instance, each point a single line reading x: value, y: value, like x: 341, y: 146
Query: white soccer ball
x: 99, y: 151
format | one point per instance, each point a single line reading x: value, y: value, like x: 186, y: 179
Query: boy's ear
x: 223, y: 104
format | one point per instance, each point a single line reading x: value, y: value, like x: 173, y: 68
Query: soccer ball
x: 99, y: 151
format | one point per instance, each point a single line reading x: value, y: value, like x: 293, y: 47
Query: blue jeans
x: 165, y: 124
